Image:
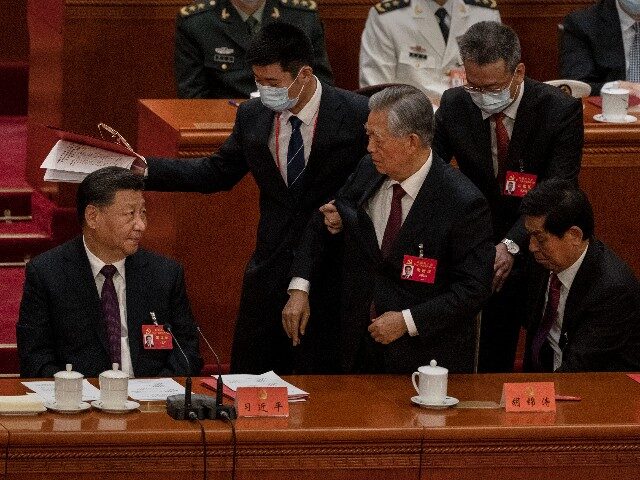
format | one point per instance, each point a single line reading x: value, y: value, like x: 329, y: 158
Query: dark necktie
x: 441, y: 13
x: 394, y: 222
x: 253, y: 24
x: 295, y: 152
x: 548, y: 319
x: 502, y: 142
x: 111, y: 312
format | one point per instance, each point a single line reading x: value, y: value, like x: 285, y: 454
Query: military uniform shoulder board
x: 310, y: 5
x: 391, y: 5
x: 198, y: 6
x: 492, y: 4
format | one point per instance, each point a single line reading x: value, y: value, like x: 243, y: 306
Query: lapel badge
x: 225, y: 14
x: 224, y: 50
x: 275, y: 13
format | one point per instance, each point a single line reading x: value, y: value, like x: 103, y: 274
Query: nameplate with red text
x: 262, y: 402
x: 529, y: 397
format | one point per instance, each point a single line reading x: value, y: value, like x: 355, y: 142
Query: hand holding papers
x: 74, y: 156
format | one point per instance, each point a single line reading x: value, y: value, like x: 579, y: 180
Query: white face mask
x: 493, y: 102
x: 631, y: 7
x: 277, y: 98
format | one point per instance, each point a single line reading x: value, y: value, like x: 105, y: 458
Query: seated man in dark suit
x: 598, y: 45
x: 585, y: 306
x: 506, y: 132
x: 402, y: 206
x: 86, y: 302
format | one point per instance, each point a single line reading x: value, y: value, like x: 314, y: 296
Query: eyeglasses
x: 489, y: 90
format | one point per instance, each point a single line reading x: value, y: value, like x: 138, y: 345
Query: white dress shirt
x: 566, y: 278
x: 309, y: 116
x: 121, y: 291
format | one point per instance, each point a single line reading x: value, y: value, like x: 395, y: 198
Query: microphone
x: 179, y: 406
x: 221, y: 410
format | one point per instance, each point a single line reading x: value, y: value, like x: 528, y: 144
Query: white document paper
x: 269, y: 379
x: 154, y: 388
x: 46, y: 390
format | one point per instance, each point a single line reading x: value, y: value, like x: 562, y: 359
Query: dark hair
x: 99, y: 188
x: 489, y: 42
x: 283, y: 44
x: 562, y: 204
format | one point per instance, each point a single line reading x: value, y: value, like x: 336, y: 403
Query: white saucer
x: 446, y: 403
x: 53, y: 406
x: 129, y: 406
x: 627, y: 119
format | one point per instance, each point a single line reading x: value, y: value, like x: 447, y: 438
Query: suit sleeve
x: 321, y: 67
x: 220, y: 171
x: 184, y: 329
x: 576, y: 58
x: 471, y: 271
x: 35, y: 337
x: 441, y: 145
x: 191, y: 80
x: 377, y: 56
x: 565, y: 158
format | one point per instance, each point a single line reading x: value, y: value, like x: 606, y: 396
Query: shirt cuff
x: 298, y: 283
x: 411, y: 325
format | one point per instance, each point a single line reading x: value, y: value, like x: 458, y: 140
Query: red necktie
x: 548, y: 319
x: 394, y: 222
x: 111, y: 313
x: 502, y: 141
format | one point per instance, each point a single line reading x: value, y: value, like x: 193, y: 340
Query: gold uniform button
x: 223, y: 66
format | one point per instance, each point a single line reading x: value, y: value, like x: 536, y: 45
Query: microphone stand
x: 222, y: 411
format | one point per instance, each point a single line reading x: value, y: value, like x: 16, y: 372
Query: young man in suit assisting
x: 402, y: 206
x: 87, y: 302
x: 585, y: 301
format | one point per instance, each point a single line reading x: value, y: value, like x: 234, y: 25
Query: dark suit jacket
x: 547, y: 137
x: 211, y: 48
x: 450, y: 218
x: 61, y: 320
x: 592, y: 50
x: 339, y: 142
x: 601, y: 324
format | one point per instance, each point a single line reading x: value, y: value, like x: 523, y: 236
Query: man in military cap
x: 415, y: 42
x: 212, y: 38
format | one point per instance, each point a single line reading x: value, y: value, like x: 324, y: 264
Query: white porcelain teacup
x: 68, y: 388
x: 432, y: 383
x: 615, y: 103
x: 114, y: 386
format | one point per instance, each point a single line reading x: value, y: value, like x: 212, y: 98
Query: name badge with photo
x: 155, y: 338
x: 419, y: 269
x: 518, y: 184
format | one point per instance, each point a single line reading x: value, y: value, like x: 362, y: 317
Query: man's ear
x: 575, y: 234
x: 91, y: 215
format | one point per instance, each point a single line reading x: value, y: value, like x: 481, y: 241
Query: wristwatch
x: 512, y: 247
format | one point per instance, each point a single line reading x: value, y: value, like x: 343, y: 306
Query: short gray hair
x: 408, y: 111
x: 489, y: 42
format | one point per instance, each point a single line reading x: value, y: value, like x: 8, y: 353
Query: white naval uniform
x: 405, y: 44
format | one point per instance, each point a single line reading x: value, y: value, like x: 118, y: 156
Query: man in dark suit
x: 402, y: 206
x: 597, y: 45
x: 585, y: 301
x: 213, y: 38
x: 506, y: 130
x: 87, y: 301
x: 300, y: 141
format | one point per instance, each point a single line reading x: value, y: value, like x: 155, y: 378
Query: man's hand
x: 331, y: 217
x: 295, y: 315
x: 634, y: 88
x: 502, y: 266
x: 388, y: 327
x: 139, y: 165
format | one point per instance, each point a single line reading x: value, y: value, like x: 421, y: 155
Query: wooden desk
x: 353, y: 427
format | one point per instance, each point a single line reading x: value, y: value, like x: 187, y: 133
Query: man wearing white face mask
x: 601, y: 45
x: 300, y: 140
x: 507, y: 132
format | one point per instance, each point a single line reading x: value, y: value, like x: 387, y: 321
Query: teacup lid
x: 68, y: 373
x: 433, y: 369
x: 114, y: 372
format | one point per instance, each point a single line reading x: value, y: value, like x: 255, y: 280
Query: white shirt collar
x: 309, y: 111
x: 97, y: 264
x: 512, y: 109
x: 626, y: 22
x: 567, y: 275
x: 412, y: 184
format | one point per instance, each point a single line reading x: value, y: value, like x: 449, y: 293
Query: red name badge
x: 529, y: 397
x: 155, y: 338
x: 262, y: 402
x: 518, y: 184
x: 419, y: 269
